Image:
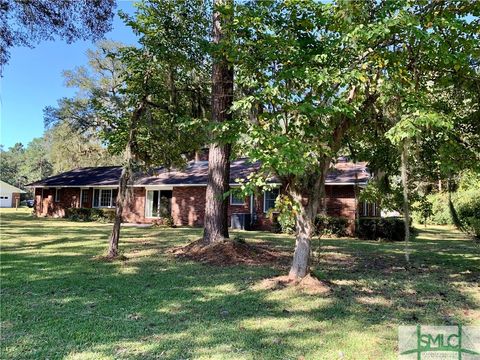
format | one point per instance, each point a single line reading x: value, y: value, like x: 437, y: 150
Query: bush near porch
x: 90, y: 214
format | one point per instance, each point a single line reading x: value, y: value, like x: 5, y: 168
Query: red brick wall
x: 15, y: 199
x: 340, y: 201
x: 188, y: 205
x: 69, y: 197
x: 135, y: 211
x: 262, y: 222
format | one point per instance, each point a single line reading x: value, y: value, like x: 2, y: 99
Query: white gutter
x: 166, y: 186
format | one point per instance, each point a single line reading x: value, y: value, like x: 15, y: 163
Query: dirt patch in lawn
x: 106, y: 258
x: 226, y: 253
x: 309, y: 284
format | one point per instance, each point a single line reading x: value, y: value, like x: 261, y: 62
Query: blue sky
x: 33, y: 79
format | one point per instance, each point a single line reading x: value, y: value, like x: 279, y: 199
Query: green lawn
x: 60, y: 302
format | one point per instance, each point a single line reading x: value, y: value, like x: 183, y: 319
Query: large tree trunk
x: 121, y: 202
x: 406, y: 210
x: 125, y: 176
x: 216, y: 219
x: 453, y: 212
x: 309, y: 199
x: 304, y: 232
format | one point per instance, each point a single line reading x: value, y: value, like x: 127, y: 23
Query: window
x: 158, y: 203
x: 237, y: 199
x: 368, y: 209
x: 365, y: 208
x: 57, y: 195
x: 114, y: 197
x: 84, y: 197
x: 96, y: 196
x: 269, y: 198
x: 104, y: 198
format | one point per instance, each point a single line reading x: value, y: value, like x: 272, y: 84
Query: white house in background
x: 9, y: 195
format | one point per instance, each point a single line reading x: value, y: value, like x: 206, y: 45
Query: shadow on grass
x: 57, y: 301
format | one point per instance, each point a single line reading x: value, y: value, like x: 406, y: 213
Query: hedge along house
x: 180, y: 194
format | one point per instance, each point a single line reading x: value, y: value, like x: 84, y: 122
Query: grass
x: 59, y: 302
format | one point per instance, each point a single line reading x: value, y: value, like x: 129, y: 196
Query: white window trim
x: 236, y: 204
x: 100, y: 196
x: 57, y: 195
x: 265, y: 199
x: 156, y: 187
x: 159, y: 196
x: 81, y: 196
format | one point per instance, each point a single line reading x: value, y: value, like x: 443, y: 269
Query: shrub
x: 277, y: 226
x: 391, y: 229
x: 283, y: 215
x: 422, y: 211
x: 330, y: 225
x: 474, y: 227
x: 440, y: 210
x: 437, y: 214
x: 79, y: 214
x: 108, y: 215
x: 164, y: 221
x: 286, y: 223
x: 468, y: 210
x: 168, y: 221
x: 91, y: 214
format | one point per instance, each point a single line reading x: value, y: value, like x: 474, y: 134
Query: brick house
x: 180, y: 194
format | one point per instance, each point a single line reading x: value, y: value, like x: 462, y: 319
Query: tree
x: 59, y: 149
x: 146, y: 103
x: 435, y: 51
x: 216, y: 217
x: 164, y: 82
x: 10, y: 164
x: 37, y: 163
x: 25, y: 23
x: 302, y: 68
x: 69, y: 149
x: 312, y: 72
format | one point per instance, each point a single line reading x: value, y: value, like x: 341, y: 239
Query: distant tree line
x: 61, y: 148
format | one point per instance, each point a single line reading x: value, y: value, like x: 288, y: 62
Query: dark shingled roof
x: 87, y: 176
x: 196, y: 173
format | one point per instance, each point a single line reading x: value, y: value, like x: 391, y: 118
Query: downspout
x: 252, y: 212
x: 355, y: 190
x: 41, y: 203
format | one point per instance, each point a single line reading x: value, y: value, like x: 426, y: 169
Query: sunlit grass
x: 59, y: 301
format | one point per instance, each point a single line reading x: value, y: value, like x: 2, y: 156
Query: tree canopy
x: 324, y: 78
x: 26, y: 23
